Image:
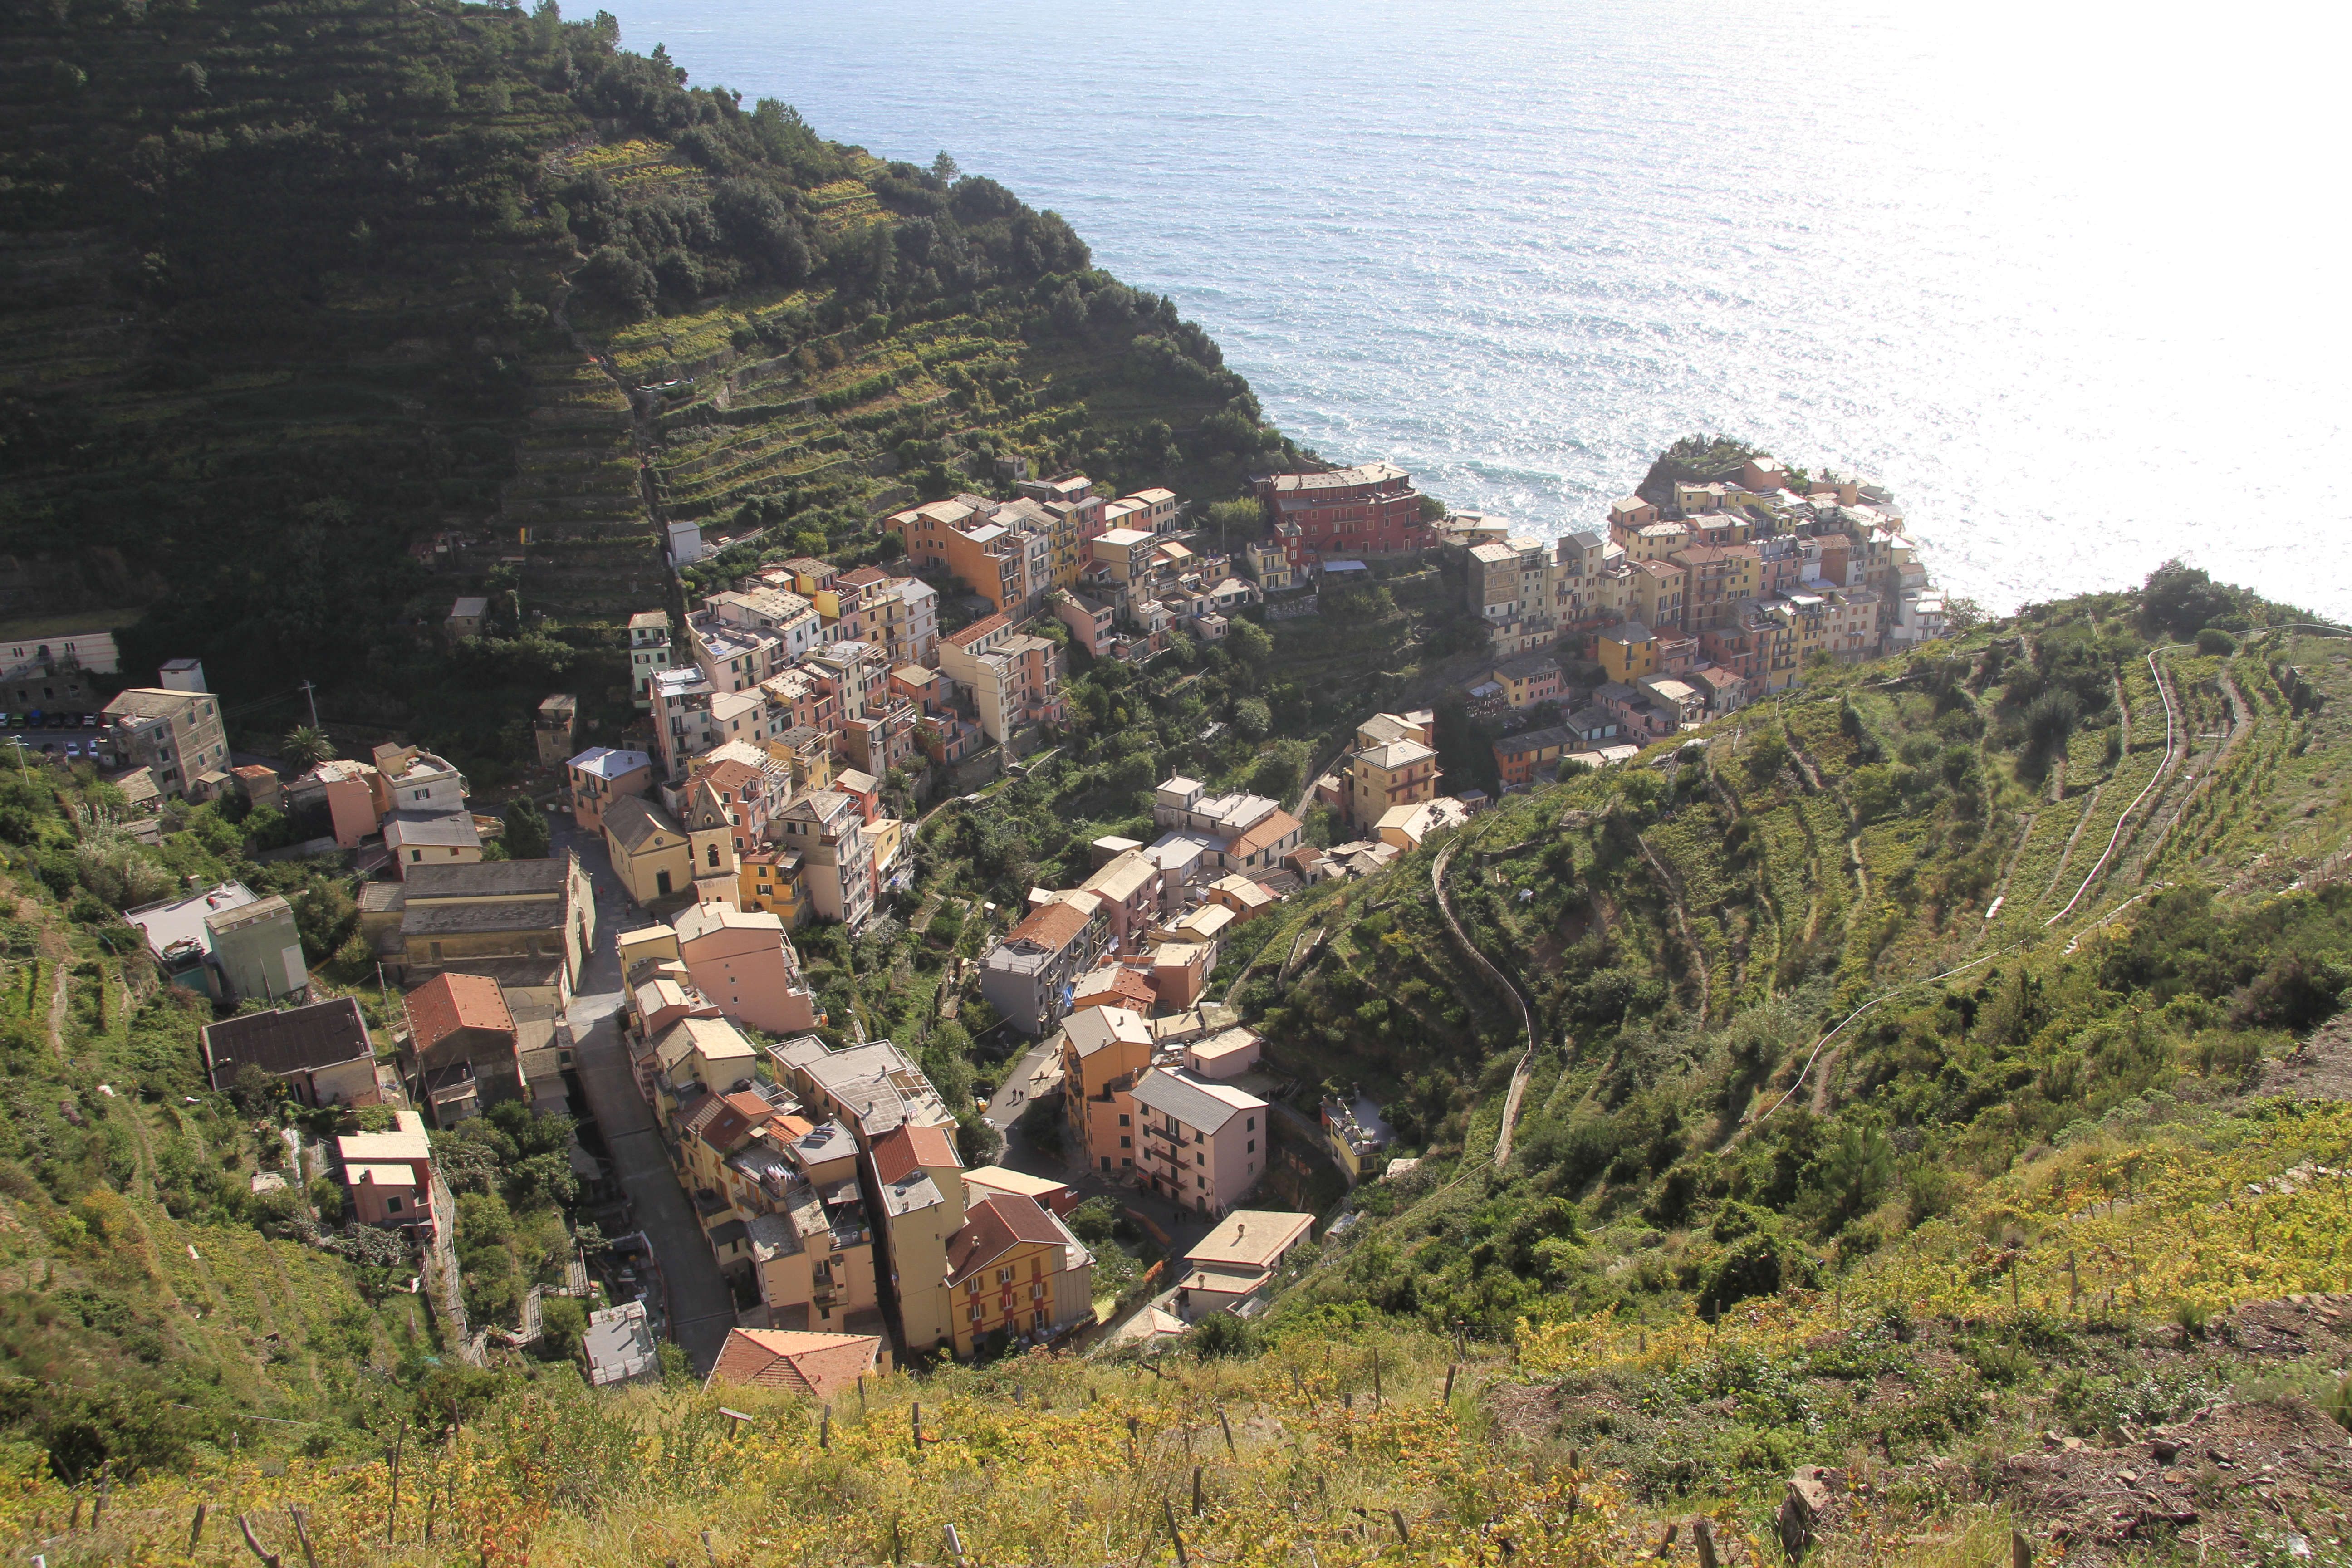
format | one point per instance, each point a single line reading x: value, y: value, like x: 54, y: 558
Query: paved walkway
x: 1035, y: 1075
x: 700, y: 1307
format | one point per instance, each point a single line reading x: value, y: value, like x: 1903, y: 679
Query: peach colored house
x: 351, y: 800
x: 601, y: 775
x: 1104, y: 1052
x: 744, y: 962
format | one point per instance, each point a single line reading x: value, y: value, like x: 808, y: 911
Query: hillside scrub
x: 1708, y: 1100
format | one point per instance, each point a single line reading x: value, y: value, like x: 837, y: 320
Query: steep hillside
x: 305, y: 299
x: 1813, y: 974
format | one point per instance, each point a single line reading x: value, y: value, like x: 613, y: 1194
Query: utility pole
x: 313, y: 693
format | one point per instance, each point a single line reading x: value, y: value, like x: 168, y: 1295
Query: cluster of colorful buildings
x: 1752, y: 576
x: 1114, y: 572
x: 829, y: 1188
x: 1689, y: 607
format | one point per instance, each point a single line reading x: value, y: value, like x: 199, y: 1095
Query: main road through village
x: 700, y: 1307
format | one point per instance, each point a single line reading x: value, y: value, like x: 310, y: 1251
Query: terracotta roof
x: 906, y: 1148
x: 1053, y: 927
x: 819, y: 1366
x: 980, y: 629
x: 1122, y: 983
x: 993, y: 1226
x: 447, y: 1003
x: 1273, y: 830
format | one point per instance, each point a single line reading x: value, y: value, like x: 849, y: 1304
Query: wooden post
x: 391, y: 1511
x: 1405, y: 1536
x: 2020, y: 1550
x: 1228, y: 1426
x: 253, y: 1544
x: 1377, y: 1400
x: 824, y: 1429
x: 1196, y: 1491
x: 75, y: 1522
x: 1704, y: 1533
x: 861, y: 1397
x: 955, y: 1546
x: 1134, y: 1449
x: 105, y: 1481
x: 709, y: 1552
x: 302, y: 1534
x: 196, y: 1529
x: 2073, y: 1282
x: 2015, y: 1268
x: 915, y: 1420
x: 735, y: 1419
x: 1175, y: 1535
x: 1451, y: 1368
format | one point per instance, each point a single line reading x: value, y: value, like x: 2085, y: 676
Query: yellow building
x: 1656, y: 597
x: 769, y: 879
x: 649, y: 852
x: 1628, y: 652
x: 711, y: 846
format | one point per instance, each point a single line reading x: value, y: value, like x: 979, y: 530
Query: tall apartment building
x: 648, y: 653
x: 835, y: 856
x: 175, y: 735
x: 1012, y: 677
x: 1369, y: 510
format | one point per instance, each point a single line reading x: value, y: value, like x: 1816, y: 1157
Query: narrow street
x: 701, y: 1308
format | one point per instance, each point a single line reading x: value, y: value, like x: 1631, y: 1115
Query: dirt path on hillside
x: 1682, y: 924
x: 57, y: 1010
x: 1526, y: 1067
x: 2319, y: 1067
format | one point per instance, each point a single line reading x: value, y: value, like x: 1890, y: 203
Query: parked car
x: 58, y: 720
x: 90, y: 720
x: 33, y: 720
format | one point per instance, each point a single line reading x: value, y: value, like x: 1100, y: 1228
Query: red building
x: 1371, y: 509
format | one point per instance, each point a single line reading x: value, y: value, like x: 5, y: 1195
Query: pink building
x: 1129, y: 885
x: 743, y: 963
x: 350, y: 801
x: 390, y: 1175
x: 1202, y: 1144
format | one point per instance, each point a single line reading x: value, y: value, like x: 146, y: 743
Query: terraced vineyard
x: 338, y: 282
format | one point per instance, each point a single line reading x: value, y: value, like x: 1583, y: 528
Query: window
x: 976, y: 1310
x: 1127, y: 1142
x: 1253, y: 1147
x: 392, y: 1205
x: 1253, y: 1124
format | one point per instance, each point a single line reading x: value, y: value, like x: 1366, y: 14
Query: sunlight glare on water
x: 2067, y: 279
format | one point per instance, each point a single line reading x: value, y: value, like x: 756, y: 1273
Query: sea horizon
x: 1520, y: 247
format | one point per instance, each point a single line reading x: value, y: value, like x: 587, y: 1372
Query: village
x: 800, y: 1205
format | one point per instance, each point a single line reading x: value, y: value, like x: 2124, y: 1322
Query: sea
x: 2068, y: 279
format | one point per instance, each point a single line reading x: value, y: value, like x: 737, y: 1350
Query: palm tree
x: 307, y: 746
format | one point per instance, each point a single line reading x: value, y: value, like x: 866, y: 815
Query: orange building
x: 1104, y: 1052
